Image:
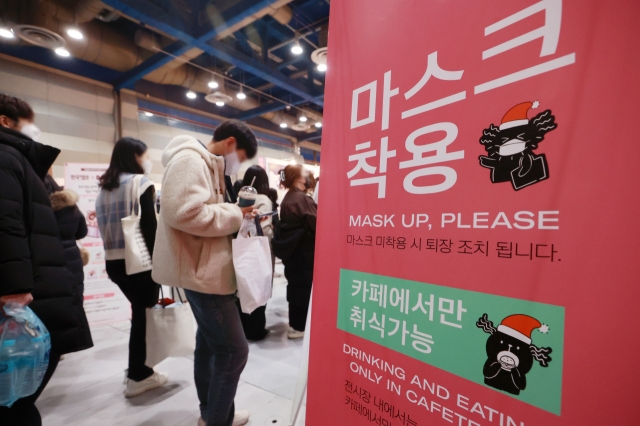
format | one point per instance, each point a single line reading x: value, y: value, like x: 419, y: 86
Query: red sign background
x: 593, y: 176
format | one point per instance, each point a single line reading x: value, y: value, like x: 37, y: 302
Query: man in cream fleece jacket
x: 193, y: 251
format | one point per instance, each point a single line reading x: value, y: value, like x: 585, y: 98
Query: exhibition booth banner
x: 475, y: 258
x: 104, y: 303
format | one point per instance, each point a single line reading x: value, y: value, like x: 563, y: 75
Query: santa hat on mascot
x: 517, y: 116
x: 520, y: 327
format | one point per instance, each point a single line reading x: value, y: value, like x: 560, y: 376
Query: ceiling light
x: 6, y: 33
x: 220, y: 103
x: 283, y: 125
x: 61, y: 51
x: 303, y: 118
x: 148, y: 114
x: 297, y: 49
x: 318, y: 124
x: 322, y: 67
x: 241, y: 95
x: 213, y: 85
x: 75, y: 34
x: 191, y: 95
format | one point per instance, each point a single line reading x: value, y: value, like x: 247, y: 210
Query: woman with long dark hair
x: 294, y: 243
x: 130, y: 158
x: 254, y: 323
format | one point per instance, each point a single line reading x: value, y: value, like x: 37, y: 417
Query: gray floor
x: 87, y: 386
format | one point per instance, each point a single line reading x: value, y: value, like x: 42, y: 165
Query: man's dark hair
x: 244, y: 136
x: 14, y: 108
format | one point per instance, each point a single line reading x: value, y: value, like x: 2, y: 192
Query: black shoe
x: 257, y: 337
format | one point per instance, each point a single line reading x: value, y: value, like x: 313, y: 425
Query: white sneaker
x: 134, y: 388
x: 294, y: 334
x: 240, y: 418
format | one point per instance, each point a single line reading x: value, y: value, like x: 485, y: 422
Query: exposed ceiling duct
x: 278, y: 11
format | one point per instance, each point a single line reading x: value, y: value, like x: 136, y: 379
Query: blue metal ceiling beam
x: 154, y: 16
x: 270, y: 107
x: 311, y: 138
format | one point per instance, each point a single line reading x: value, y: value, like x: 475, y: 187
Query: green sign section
x: 512, y: 346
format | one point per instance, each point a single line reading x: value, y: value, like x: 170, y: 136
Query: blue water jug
x: 7, y: 372
x: 25, y: 345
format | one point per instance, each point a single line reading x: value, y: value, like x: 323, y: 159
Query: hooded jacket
x: 193, y: 241
x: 31, y: 254
x: 72, y: 226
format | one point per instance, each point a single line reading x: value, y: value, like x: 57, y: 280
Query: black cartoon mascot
x: 510, y: 147
x: 510, y: 354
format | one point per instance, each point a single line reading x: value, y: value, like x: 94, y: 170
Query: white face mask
x: 147, y: 165
x: 232, y: 164
x: 512, y: 147
x: 31, y: 130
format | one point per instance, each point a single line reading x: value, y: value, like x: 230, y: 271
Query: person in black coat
x: 294, y: 244
x: 33, y: 269
x: 73, y: 227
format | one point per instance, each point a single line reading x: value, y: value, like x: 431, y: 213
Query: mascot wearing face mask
x: 511, y: 352
x: 510, y: 147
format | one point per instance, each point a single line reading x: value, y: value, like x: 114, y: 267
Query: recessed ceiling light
x: 220, y: 103
x: 297, y: 49
x: 318, y: 124
x: 148, y: 114
x: 241, y: 95
x: 75, y: 34
x: 6, y: 33
x: 283, y: 125
x: 213, y: 85
x: 61, y: 51
x: 322, y: 67
x: 191, y: 95
x: 303, y: 118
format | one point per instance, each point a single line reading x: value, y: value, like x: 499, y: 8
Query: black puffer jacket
x: 31, y: 253
x: 72, y: 226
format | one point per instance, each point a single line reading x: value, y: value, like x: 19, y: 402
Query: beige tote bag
x: 170, y: 330
x: 136, y: 255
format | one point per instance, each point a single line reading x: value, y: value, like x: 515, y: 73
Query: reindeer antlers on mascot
x: 541, y: 355
x: 486, y: 325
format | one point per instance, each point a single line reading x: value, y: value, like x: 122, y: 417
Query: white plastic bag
x: 252, y: 262
x: 248, y: 228
x: 170, y: 331
x: 136, y: 254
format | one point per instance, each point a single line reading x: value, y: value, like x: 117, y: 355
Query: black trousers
x: 142, y: 292
x: 24, y: 412
x: 254, y: 323
x: 298, y: 270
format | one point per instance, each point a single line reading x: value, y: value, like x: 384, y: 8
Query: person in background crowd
x: 236, y: 190
x: 311, y: 183
x: 129, y: 158
x: 73, y: 227
x: 33, y: 269
x: 254, y: 323
x: 295, y: 245
x: 275, y: 220
x: 316, y: 191
x: 273, y: 196
x: 194, y: 253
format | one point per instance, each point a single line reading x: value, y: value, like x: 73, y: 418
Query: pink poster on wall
x: 475, y: 260
x: 104, y: 303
